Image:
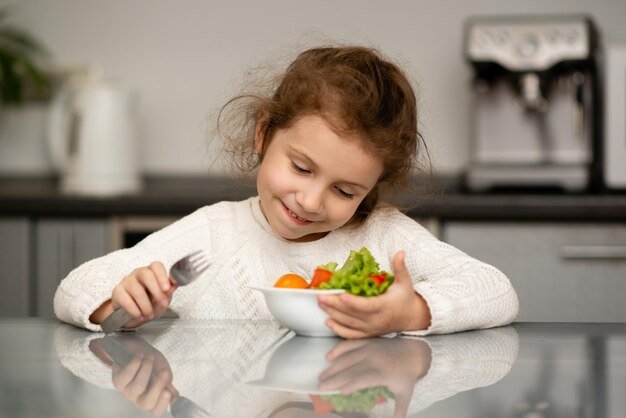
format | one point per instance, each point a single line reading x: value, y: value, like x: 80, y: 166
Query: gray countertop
x: 176, y: 196
x: 248, y: 368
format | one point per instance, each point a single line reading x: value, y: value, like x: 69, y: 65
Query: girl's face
x: 312, y: 180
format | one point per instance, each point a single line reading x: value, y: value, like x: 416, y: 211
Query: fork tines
x: 198, y: 261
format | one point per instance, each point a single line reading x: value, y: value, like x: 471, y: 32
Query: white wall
x: 184, y: 57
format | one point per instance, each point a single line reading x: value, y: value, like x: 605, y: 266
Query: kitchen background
x: 183, y: 59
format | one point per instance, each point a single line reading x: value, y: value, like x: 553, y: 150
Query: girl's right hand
x: 145, y: 293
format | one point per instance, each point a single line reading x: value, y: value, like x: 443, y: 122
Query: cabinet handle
x: 593, y: 252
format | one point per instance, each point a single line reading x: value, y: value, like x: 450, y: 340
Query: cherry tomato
x: 291, y: 280
x: 320, y: 276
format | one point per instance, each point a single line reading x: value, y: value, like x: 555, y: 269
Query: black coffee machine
x: 536, y: 117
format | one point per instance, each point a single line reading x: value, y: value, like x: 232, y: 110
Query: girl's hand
x: 145, y: 293
x: 400, y: 308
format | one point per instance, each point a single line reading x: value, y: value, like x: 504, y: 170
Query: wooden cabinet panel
x: 561, y: 272
x: 15, y: 271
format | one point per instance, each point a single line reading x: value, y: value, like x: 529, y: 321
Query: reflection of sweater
x: 212, y: 364
x: 462, y: 293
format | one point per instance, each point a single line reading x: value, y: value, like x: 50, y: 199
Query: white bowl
x: 297, y: 309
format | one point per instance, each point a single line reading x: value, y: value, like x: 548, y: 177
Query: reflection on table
x: 267, y: 371
x: 246, y: 368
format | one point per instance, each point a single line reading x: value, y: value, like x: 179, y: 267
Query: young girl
x: 340, y: 127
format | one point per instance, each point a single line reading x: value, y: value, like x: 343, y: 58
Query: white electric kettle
x: 93, y: 138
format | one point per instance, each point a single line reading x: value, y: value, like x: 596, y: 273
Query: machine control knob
x: 528, y: 46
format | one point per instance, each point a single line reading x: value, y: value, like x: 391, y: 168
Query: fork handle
x: 115, y: 321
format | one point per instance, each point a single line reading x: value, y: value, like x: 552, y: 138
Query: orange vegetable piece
x: 291, y: 280
x: 320, y: 276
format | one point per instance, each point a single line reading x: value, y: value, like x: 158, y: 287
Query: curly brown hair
x: 355, y: 89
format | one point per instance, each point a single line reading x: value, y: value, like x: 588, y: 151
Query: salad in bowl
x: 293, y: 299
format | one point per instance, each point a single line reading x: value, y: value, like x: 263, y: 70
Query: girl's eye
x: 343, y: 194
x: 299, y: 169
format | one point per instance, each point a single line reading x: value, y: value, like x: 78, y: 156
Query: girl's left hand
x: 400, y: 308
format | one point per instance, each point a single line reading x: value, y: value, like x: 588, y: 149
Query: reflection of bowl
x: 297, y: 309
x: 295, y: 366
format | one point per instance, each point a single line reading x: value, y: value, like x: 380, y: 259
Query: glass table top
x: 185, y: 368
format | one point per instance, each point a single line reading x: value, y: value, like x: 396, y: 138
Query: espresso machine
x: 536, y: 120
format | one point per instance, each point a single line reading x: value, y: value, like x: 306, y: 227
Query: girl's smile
x: 312, y: 179
x: 295, y: 218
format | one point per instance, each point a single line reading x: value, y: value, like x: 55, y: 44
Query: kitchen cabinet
x: 15, y: 268
x: 61, y: 245
x: 564, y: 272
x: 37, y: 253
x: 562, y: 251
x: 126, y: 231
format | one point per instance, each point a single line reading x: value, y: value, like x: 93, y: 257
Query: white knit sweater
x: 462, y: 293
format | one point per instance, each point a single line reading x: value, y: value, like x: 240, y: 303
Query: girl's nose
x: 310, y: 200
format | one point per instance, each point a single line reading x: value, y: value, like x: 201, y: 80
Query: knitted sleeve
x: 90, y: 285
x: 462, y: 293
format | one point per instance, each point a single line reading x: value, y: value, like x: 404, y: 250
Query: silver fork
x: 184, y: 271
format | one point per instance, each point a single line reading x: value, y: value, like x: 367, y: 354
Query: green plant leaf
x: 21, y: 54
x: 11, y: 86
x: 39, y: 78
x: 19, y: 40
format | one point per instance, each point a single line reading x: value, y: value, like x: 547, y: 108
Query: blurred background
x: 183, y: 59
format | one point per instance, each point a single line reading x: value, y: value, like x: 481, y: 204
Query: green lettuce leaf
x: 355, y: 275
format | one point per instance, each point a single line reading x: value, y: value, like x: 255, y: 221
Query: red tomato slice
x: 320, y: 276
x: 379, y: 278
